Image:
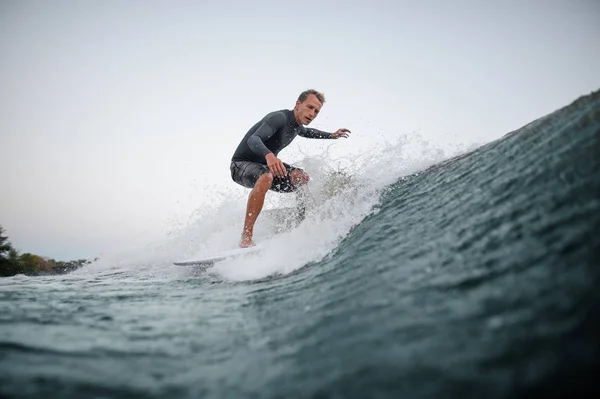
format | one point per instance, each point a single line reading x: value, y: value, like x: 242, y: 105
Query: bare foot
x: 246, y: 242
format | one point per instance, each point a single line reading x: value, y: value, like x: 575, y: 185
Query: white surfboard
x: 210, y: 260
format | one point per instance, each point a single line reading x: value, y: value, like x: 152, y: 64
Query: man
x: 255, y: 164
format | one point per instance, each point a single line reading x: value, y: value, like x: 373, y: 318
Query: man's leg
x: 300, y: 179
x: 256, y: 199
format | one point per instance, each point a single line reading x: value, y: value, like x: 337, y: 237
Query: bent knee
x: 264, y: 181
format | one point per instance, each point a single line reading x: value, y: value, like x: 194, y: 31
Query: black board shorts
x: 247, y: 173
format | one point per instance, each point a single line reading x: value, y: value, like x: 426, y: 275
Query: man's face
x: 308, y: 110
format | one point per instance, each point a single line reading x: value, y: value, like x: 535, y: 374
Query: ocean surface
x: 474, y: 275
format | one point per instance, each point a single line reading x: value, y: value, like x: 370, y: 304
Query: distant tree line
x: 12, y: 263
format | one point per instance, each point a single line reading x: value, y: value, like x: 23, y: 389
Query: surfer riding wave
x: 255, y: 164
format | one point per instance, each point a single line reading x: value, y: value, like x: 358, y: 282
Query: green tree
x: 32, y: 264
x: 5, y: 246
x: 9, y: 257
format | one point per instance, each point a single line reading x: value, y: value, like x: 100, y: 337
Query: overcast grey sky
x: 115, y: 116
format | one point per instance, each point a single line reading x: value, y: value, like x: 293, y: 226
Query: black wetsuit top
x: 272, y: 134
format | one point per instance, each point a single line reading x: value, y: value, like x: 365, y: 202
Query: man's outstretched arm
x: 311, y: 133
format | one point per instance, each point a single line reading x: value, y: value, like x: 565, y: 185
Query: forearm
x: 311, y: 133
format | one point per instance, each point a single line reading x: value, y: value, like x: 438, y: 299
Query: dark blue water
x: 477, y: 277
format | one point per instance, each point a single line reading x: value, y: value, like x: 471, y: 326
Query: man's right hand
x: 275, y: 165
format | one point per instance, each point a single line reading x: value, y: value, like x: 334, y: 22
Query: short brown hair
x: 320, y: 96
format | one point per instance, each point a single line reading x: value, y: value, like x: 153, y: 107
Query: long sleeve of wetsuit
x: 256, y: 142
x: 311, y: 133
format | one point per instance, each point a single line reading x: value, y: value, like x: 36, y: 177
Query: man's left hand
x: 340, y: 133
